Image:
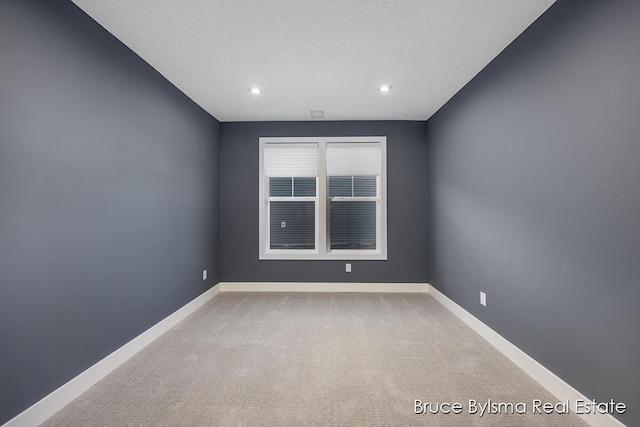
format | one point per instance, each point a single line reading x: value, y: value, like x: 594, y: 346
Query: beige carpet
x: 292, y: 359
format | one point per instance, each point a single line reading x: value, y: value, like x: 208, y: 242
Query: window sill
x: 315, y: 256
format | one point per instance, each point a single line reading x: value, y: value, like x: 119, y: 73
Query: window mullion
x: 267, y: 225
x: 321, y: 228
x: 355, y: 199
x: 291, y: 198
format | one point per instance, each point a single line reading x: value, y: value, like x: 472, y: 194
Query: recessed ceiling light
x: 255, y: 90
x: 384, y: 88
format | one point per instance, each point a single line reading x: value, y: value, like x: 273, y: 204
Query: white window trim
x: 322, y: 251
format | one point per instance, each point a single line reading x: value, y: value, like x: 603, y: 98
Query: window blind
x: 353, y: 159
x: 291, y: 160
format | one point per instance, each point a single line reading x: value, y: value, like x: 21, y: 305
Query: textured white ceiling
x: 326, y: 55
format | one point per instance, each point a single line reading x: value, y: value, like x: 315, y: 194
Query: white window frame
x: 322, y: 249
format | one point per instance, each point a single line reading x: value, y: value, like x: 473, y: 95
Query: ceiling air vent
x: 317, y: 114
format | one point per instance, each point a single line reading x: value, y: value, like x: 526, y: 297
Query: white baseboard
x: 322, y: 287
x: 59, y: 398
x: 535, y: 370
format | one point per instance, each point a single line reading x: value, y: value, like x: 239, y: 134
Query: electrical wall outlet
x: 283, y: 224
x: 204, y: 274
x: 483, y: 298
x: 348, y: 268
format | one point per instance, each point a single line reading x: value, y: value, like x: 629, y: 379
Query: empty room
x: 284, y: 213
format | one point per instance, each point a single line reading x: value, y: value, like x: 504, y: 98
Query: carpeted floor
x: 321, y: 359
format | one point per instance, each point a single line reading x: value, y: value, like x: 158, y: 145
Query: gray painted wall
x: 535, y: 189
x: 108, y: 197
x: 406, y: 205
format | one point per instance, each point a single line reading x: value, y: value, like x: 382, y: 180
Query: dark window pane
x: 364, y: 186
x: 340, y: 186
x: 292, y: 225
x: 303, y: 186
x: 353, y: 225
x: 280, y: 187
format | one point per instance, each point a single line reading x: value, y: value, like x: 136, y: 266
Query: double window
x: 323, y: 198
